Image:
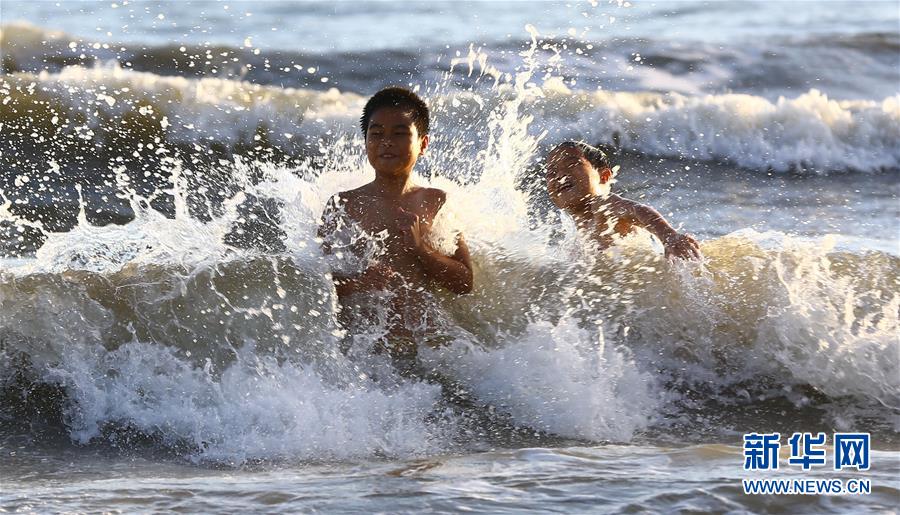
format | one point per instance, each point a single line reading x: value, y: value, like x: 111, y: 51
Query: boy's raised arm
x: 676, y: 244
x: 453, y: 272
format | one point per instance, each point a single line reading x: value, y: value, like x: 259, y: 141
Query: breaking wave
x: 212, y: 329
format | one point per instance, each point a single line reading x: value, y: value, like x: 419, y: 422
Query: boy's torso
x: 610, y: 219
x: 376, y: 214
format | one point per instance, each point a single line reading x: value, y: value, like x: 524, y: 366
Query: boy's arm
x: 676, y: 244
x: 327, y: 224
x: 453, y: 272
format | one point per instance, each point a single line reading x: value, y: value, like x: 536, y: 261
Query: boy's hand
x: 682, y: 246
x: 411, y: 227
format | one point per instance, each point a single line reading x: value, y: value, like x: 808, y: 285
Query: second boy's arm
x: 676, y: 244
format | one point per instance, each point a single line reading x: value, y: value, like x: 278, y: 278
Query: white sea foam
x: 163, y: 326
x: 808, y: 132
x: 257, y: 408
x: 770, y: 308
x: 91, y: 100
x: 560, y: 379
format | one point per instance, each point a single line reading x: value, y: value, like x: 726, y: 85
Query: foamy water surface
x: 168, y: 330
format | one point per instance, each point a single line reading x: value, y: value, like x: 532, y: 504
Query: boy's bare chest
x: 386, y: 221
x: 376, y: 216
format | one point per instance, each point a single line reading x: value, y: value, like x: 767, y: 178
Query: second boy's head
x: 576, y: 172
x: 395, y: 124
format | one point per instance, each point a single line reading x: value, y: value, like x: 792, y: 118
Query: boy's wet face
x: 570, y: 177
x: 393, y: 143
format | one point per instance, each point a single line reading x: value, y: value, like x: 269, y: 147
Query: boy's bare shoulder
x: 431, y: 199
x: 355, y: 193
x: 614, y: 199
x: 622, y: 205
x: 349, y: 198
x: 434, y: 196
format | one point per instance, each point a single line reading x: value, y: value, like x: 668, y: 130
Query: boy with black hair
x: 398, y: 213
x: 578, y: 182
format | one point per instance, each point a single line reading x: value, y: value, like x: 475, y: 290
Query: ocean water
x: 168, y: 338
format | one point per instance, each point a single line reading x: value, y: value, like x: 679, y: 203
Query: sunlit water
x: 186, y: 355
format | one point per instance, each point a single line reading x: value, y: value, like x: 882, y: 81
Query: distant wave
x: 809, y: 132
x: 847, y: 66
x: 107, y: 105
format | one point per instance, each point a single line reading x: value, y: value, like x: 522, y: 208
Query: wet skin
x: 405, y: 212
x: 581, y: 190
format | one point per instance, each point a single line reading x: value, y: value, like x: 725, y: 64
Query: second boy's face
x: 570, y: 177
x: 393, y: 143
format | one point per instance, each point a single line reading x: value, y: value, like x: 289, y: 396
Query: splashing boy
x: 395, y: 124
x: 578, y: 181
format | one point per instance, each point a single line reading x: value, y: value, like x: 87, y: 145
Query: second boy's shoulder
x: 621, y: 206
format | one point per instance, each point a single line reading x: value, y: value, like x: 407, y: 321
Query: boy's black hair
x: 397, y: 97
x: 594, y: 155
